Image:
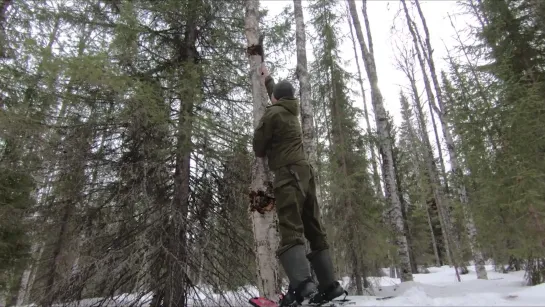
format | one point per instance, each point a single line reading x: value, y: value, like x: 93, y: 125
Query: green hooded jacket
x: 279, y: 135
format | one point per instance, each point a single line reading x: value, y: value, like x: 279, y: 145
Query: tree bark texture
x: 307, y: 111
x: 265, y: 226
x: 177, y: 283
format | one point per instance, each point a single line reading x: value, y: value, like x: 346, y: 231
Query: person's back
x: 281, y: 143
x: 279, y: 138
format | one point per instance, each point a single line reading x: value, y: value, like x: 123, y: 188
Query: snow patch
x: 441, y: 288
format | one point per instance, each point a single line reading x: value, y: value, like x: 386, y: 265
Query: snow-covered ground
x: 438, y: 288
x: 441, y: 288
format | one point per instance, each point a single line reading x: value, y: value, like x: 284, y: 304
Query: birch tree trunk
x: 385, y: 213
x: 439, y: 150
x: 376, y: 175
x: 307, y: 111
x: 264, y: 225
x: 372, y: 144
x: 458, y: 176
x: 385, y: 146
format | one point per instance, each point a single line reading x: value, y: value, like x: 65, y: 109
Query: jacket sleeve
x: 269, y: 84
x: 263, y: 134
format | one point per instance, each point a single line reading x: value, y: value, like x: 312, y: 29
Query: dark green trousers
x: 297, y: 208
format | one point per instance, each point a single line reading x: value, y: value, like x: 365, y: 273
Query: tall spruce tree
x: 122, y: 181
x: 509, y: 37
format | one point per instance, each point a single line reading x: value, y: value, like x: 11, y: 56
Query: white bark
x: 307, y: 111
x: 460, y: 186
x: 264, y: 225
x: 385, y: 146
x: 376, y: 175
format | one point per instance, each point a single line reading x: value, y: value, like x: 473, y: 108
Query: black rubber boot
x: 328, y: 287
x: 297, y: 269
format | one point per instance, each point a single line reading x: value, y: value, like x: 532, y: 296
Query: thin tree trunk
x: 73, y: 173
x: 460, y: 186
x: 386, y: 212
x: 37, y: 248
x: 405, y: 219
x: 332, y: 198
x: 416, y: 162
x: 433, y: 239
x: 356, y: 271
x: 444, y: 176
x: 307, y: 112
x: 372, y: 145
x: 264, y: 225
x: 392, y: 271
x: 27, y: 282
x: 175, y: 294
x: 439, y: 150
x: 432, y: 171
x: 61, y: 241
x: 385, y: 145
x: 441, y: 202
x: 431, y: 204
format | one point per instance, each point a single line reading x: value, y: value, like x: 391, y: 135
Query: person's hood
x: 290, y: 104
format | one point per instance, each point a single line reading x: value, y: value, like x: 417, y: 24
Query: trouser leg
x: 312, y: 221
x: 291, y: 252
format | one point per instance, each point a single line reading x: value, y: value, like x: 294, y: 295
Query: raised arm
x: 267, y: 80
x: 263, y: 134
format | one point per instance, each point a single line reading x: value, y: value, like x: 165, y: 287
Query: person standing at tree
x: 279, y: 138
